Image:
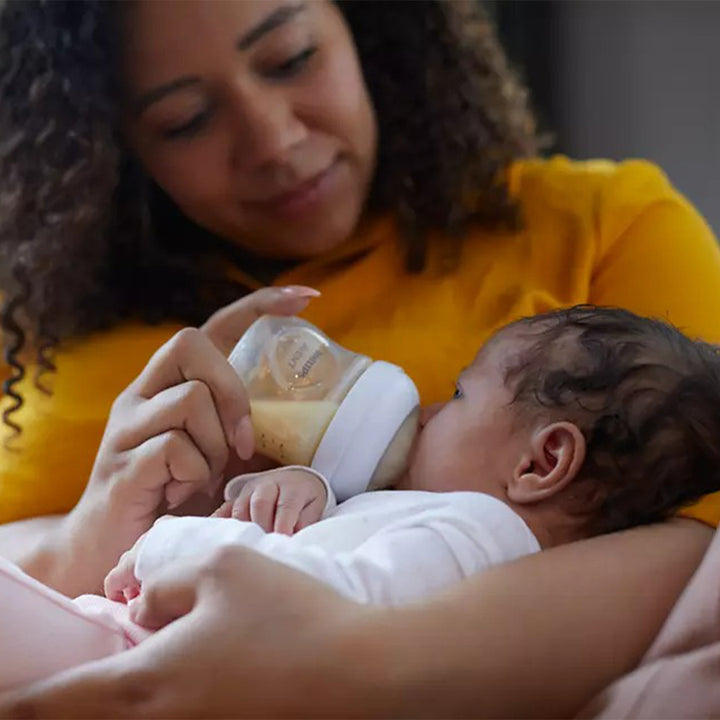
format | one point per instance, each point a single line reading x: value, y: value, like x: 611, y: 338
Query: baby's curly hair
x: 646, y: 397
x: 87, y: 240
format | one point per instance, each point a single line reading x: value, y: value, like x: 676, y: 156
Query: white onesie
x: 387, y: 547
x: 384, y: 547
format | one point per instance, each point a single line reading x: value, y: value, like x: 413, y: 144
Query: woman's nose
x: 268, y: 127
x: 428, y: 412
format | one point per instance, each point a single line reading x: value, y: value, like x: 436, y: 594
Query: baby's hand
x: 121, y: 584
x: 281, y: 501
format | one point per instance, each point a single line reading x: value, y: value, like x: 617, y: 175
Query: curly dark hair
x: 84, y: 236
x: 647, y: 399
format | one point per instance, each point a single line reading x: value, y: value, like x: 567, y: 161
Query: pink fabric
x: 679, y: 677
x: 43, y: 632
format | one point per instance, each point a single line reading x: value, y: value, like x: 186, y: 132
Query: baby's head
x: 585, y: 421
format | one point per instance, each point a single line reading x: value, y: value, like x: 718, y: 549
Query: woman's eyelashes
x: 293, y: 66
x: 190, y: 128
x: 458, y: 392
x: 286, y: 70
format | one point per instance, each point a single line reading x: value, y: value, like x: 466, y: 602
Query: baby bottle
x: 315, y: 403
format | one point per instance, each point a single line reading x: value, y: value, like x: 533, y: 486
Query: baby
x: 566, y: 425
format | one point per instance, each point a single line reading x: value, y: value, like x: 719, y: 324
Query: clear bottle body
x: 296, y: 379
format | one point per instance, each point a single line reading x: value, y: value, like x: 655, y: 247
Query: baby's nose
x: 428, y: 412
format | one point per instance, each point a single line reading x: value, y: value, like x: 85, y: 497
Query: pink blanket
x: 679, y: 677
x: 43, y: 632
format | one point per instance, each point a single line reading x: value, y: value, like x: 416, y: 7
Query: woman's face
x: 253, y: 117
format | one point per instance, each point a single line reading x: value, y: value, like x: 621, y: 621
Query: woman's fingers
x: 190, y: 355
x: 151, y: 680
x: 87, y: 691
x: 170, y: 458
x: 169, y: 594
x: 227, y: 325
x: 188, y: 407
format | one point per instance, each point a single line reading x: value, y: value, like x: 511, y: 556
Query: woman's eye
x: 458, y: 393
x: 292, y: 67
x: 188, y: 129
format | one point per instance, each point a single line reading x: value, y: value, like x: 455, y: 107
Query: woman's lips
x: 302, y: 198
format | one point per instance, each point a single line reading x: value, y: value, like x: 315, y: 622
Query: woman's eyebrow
x: 142, y: 103
x: 274, y: 20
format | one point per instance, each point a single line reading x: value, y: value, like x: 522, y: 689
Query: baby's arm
x: 283, y: 500
x: 412, y: 558
x: 408, y: 560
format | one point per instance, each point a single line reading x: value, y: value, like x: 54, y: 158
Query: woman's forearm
x: 24, y: 542
x: 42, y: 547
x: 538, y: 637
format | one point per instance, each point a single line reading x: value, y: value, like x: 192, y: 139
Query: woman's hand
x: 242, y: 640
x: 170, y: 435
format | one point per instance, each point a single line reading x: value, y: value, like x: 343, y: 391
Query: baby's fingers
x: 263, y: 500
x: 290, y: 504
x: 287, y: 514
x: 224, y: 511
x: 310, y: 514
x: 241, y: 505
x: 120, y: 578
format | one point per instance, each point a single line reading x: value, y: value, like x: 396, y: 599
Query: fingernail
x: 174, y: 496
x: 300, y: 291
x: 244, y: 438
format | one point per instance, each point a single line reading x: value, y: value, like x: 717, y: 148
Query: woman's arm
x: 536, y: 637
x: 542, y: 636
x: 28, y: 544
x: 57, y: 550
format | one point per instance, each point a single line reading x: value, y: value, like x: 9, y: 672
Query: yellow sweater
x: 595, y: 232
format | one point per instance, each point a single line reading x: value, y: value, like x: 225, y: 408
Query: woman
x: 160, y: 159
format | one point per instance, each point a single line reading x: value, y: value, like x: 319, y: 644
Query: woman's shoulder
x: 588, y: 185
x: 603, y: 197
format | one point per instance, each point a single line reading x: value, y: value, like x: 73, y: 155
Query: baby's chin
x: 404, y: 482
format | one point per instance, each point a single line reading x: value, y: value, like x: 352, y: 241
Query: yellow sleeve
x: 658, y: 257
x: 45, y: 470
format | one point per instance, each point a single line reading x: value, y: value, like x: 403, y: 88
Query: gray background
x: 627, y: 78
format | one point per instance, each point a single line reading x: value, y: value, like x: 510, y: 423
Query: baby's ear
x: 552, y: 461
